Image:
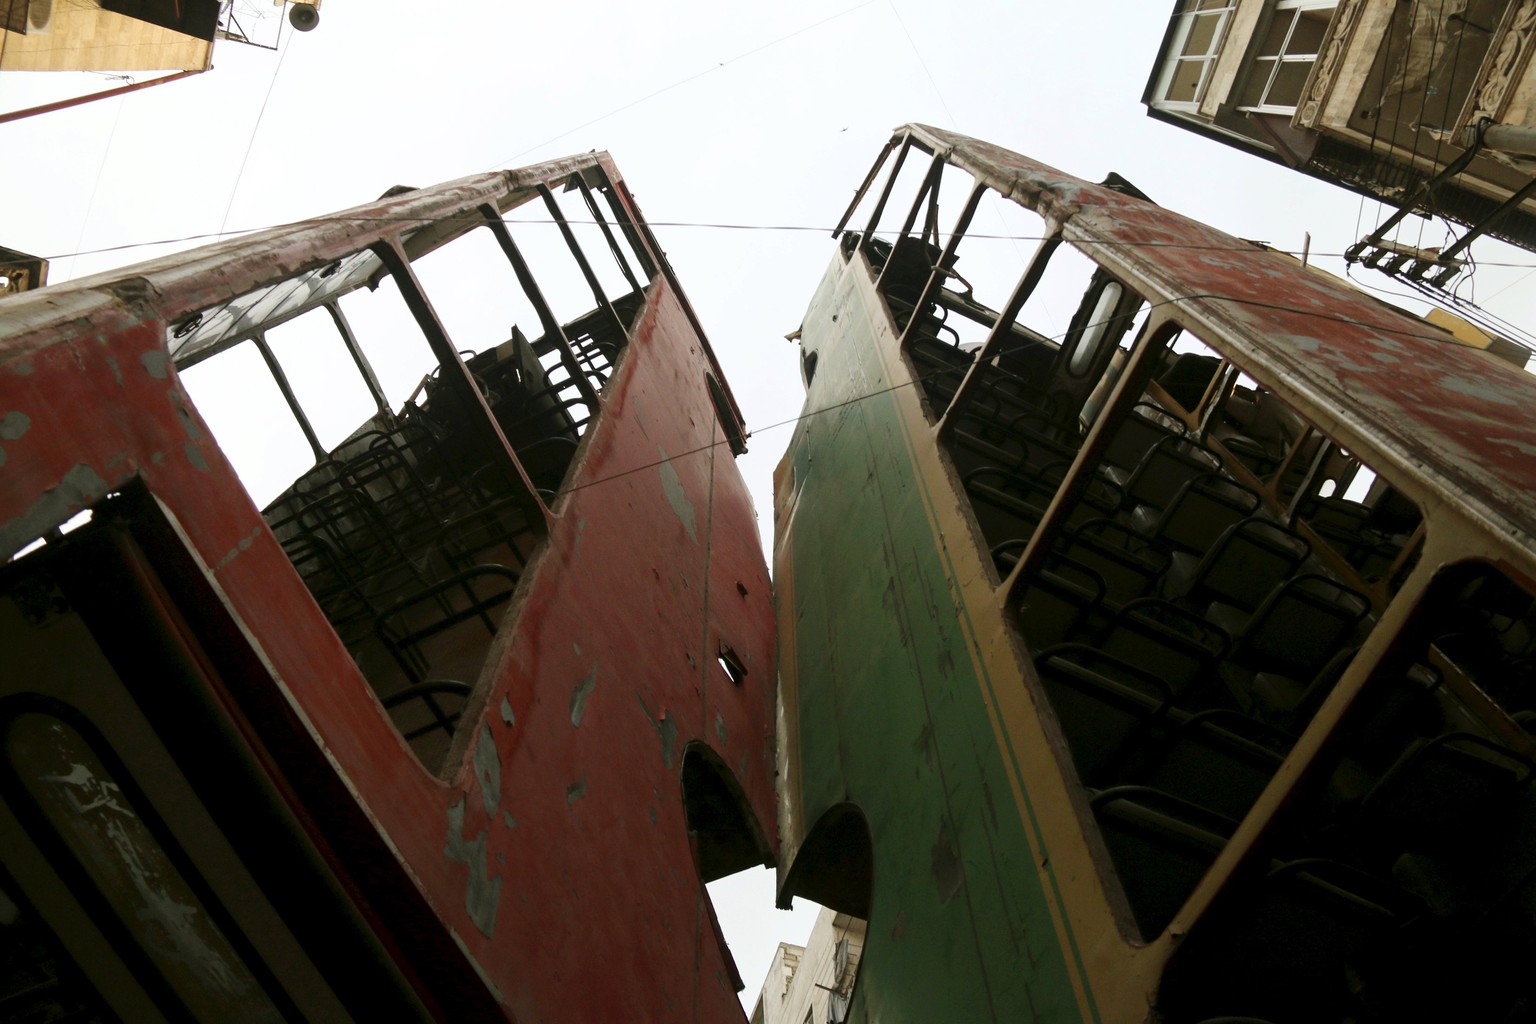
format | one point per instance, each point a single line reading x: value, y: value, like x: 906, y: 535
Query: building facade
x: 1380, y: 96
x: 812, y: 984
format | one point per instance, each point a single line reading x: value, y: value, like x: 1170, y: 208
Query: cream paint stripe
x: 886, y: 350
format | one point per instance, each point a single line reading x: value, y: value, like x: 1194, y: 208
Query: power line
x: 251, y: 142
x: 923, y: 378
x: 725, y: 226
x: 683, y: 81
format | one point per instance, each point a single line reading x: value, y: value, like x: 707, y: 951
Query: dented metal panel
x: 553, y: 850
x: 1442, y: 412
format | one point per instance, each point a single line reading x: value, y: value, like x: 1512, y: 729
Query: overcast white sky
x: 759, y: 116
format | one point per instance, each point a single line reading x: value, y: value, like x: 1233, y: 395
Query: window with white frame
x: 1286, y: 52
x: 1197, y: 36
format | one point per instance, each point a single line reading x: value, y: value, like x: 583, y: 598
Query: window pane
x: 1257, y: 84
x: 1275, y: 36
x: 1202, y: 34
x: 1095, y: 329
x: 1307, y: 37
x: 1185, y: 84
x: 1285, y: 90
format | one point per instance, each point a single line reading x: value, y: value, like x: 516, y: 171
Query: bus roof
x: 1456, y: 418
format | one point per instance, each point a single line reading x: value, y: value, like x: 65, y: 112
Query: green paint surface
x: 892, y: 713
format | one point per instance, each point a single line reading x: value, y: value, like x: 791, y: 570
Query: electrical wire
x: 683, y: 81
x: 251, y: 142
x: 923, y: 64
x: 106, y: 153
x: 725, y: 226
x: 924, y: 378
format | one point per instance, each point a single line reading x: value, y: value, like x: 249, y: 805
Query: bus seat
x: 1219, y: 759
x: 1187, y: 377
x: 1127, y: 562
x: 1060, y: 603
x: 1174, y: 643
x: 1202, y: 510
x: 1103, y: 705
x: 1285, y: 950
x: 1161, y: 847
x: 1247, y: 562
x: 1144, y: 427
x: 1442, y: 793
x: 1289, y: 704
x: 1163, y: 471
x: 406, y: 626
x: 1006, y: 503
x: 1299, y: 627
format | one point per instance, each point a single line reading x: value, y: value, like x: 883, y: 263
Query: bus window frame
x: 1156, y: 334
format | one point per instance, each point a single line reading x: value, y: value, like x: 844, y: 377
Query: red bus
x: 386, y: 632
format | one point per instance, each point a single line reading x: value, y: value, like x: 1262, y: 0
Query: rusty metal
x: 1442, y: 412
x: 477, y: 891
x: 75, y: 101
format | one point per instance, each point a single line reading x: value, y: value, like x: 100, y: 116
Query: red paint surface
x: 600, y: 914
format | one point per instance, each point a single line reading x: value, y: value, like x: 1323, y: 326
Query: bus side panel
x: 890, y: 704
x: 567, y: 806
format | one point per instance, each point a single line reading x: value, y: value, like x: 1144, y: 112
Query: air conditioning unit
x: 28, y: 17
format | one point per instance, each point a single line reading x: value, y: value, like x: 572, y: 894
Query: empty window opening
x: 730, y: 663
x: 610, y: 259
x: 1202, y: 595
x: 238, y: 398
x: 1403, y: 862
x: 410, y: 526
x: 1015, y: 431
x: 314, y: 358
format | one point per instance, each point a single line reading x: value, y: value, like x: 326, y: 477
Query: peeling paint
x: 1476, y: 389
x: 13, y: 425
x: 80, y: 487
x: 157, y: 363
x: 576, y: 790
x: 580, y: 694
x: 234, y: 552
x: 666, y: 730
x: 506, y: 712
x: 188, y: 421
x: 488, y: 770
x: 1301, y: 343
x: 1519, y: 446
x: 720, y: 727
x: 117, y: 371
x: 195, y: 456
x: 672, y: 487
x: 482, y: 895
x: 508, y: 820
